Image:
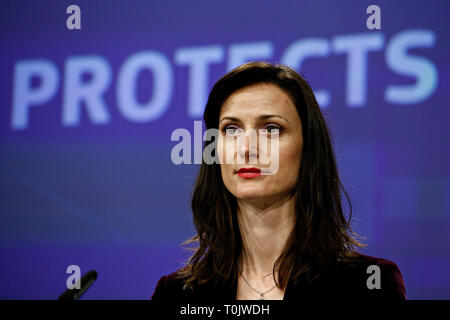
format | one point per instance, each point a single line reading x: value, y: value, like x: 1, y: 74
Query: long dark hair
x: 322, y: 235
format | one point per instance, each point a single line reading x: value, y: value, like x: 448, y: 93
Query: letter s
x: 422, y: 69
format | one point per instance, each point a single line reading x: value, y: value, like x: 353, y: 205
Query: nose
x: 248, y: 147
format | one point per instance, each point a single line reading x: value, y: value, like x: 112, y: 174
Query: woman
x: 281, y: 235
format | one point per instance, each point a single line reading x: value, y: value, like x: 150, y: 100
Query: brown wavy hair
x: 322, y: 235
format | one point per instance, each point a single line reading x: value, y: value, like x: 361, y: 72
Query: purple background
x: 108, y: 197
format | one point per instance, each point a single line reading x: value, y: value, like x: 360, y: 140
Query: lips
x: 249, y: 173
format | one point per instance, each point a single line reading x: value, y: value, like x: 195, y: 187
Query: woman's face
x: 255, y: 107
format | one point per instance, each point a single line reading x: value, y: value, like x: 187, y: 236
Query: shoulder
x: 173, y: 287
x: 372, y: 277
x: 169, y: 286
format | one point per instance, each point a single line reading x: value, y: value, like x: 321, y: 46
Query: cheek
x: 225, y: 169
x: 222, y: 149
x: 227, y: 178
x: 219, y: 147
x: 290, y: 157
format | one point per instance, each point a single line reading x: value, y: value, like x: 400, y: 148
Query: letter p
x: 24, y: 96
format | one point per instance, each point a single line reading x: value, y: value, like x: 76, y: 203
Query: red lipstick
x: 249, y: 173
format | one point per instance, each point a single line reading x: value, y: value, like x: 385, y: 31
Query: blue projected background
x: 86, y: 116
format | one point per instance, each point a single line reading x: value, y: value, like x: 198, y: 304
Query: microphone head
x: 85, y: 282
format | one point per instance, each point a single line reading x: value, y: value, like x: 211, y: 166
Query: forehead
x: 260, y: 97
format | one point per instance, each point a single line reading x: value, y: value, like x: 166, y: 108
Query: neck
x: 265, y: 227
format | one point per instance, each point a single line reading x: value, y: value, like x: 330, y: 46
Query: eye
x: 272, y: 129
x: 230, y: 130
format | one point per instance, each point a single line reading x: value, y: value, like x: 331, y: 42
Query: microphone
x: 86, y: 281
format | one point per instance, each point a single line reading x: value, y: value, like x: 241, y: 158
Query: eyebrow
x: 263, y: 117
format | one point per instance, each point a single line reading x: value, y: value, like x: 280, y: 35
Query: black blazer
x: 346, y: 281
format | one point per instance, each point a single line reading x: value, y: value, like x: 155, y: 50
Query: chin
x: 252, y: 194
